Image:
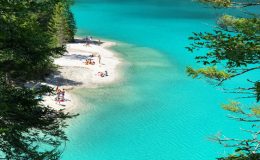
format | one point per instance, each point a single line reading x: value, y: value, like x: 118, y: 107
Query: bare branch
x: 244, y: 119
x: 250, y: 131
x: 238, y: 74
x: 243, y: 4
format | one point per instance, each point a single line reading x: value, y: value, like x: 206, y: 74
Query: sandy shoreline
x: 74, y: 73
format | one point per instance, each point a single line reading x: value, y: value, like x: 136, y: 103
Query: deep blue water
x: 155, y: 112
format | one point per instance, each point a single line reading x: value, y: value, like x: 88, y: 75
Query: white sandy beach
x: 74, y: 73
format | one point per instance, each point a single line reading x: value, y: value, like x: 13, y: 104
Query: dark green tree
x: 233, y: 50
x: 28, y: 129
x: 25, y: 52
x: 62, y: 25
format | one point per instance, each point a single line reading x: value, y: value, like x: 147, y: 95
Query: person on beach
x: 88, y: 40
x: 89, y: 62
x: 57, y: 88
x: 102, y: 74
x: 99, y: 59
x: 106, y: 74
x: 58, y: 92
x: 62, y: 95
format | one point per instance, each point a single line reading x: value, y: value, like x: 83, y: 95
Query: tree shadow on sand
x: 77, y: 57
x: 57, y: 79
x: 82, y: 40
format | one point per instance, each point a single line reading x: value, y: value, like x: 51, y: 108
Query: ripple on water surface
x: 152, y: 113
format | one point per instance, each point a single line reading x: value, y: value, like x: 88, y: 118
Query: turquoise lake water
x: 155, y: 112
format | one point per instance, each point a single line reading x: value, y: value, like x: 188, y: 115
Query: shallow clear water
x: 155, y: 112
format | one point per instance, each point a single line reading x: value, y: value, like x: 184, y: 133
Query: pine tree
x: 28, y: 129
x: 62, y: 24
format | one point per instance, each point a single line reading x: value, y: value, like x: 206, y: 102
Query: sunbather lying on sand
x: 89, y: 62
x: 102, y: 74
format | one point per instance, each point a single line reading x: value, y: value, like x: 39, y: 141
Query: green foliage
x: 234, y: 46
x: 24, y: 47
x: 242, y: 157
x: 209, y: 72
x: 256, y: 110
x: 62, y: 24
x: 26, y: 124
x: 28, y: 129
x: 217, y: 3
x: 231, y: 50
x: 231, y: 3
x: 247, y: 26
x: 233, y: 106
